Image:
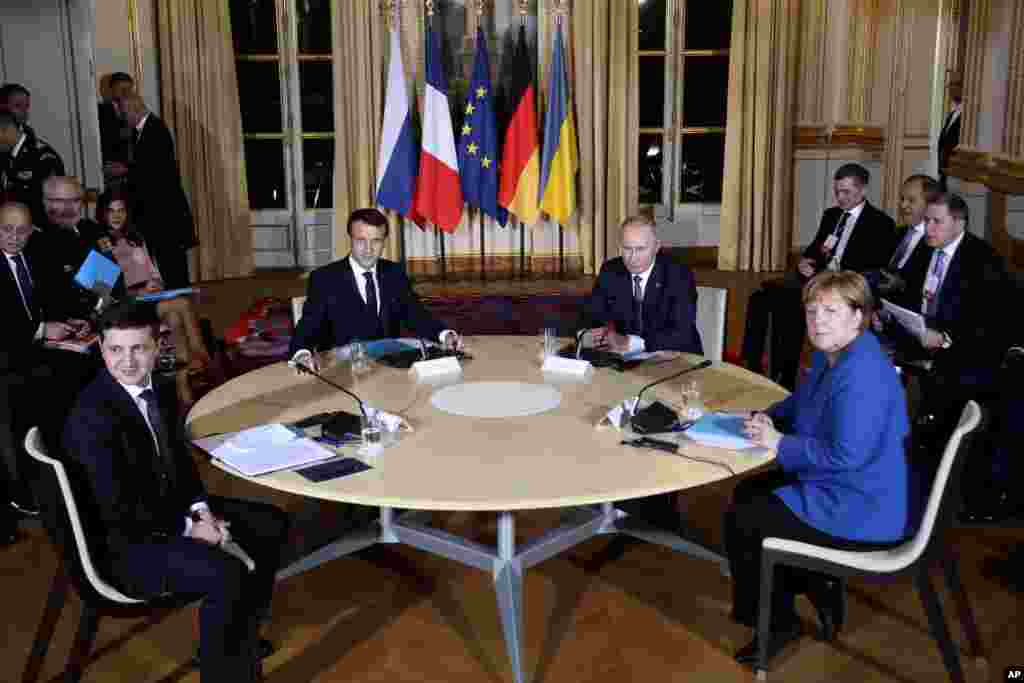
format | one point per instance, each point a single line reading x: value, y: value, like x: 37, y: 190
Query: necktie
x: 833, y: 253
x: 937, y: 270
x: 841, y: 227
x: 901, y: 250
x: 25, y: 282
x: 638, y: 305
x: 156, y: 421
x: 371, y: 294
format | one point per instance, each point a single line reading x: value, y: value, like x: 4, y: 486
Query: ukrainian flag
x: 558, y: 160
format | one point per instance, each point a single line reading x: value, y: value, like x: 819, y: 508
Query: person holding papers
x: 642, y: 300
x: 362, y: 297
x: 158, y: 529
x: 842, y: 475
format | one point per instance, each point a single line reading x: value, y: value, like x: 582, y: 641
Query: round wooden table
x: 556, y: 459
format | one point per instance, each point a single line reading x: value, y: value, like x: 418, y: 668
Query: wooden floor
x: 606, y: 612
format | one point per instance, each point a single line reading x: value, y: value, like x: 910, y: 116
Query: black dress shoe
x: 264, y: 648
x: 777, y: 642
x: 827, y: 599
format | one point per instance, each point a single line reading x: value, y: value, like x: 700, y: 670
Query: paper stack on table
x: 721, y: 430
x: 267, y: 448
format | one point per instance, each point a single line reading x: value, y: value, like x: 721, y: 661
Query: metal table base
x: 505, y: 563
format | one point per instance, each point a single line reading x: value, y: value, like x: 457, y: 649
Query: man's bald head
x: 62, y: 199
x: 15, y: 227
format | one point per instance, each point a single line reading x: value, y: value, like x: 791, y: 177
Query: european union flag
x: 478, y: 140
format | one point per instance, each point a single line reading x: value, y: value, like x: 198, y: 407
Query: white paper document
x: 911, y: 321
x: 267, y: 448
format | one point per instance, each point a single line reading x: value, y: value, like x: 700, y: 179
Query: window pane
x: 701, y: 159
x: 652, y: 92
x: 708, y: 25
x: 314, y: 19
x: 264, y: 166
x: 259, y: 97
x: 317, y: 86
x: 318, y: 159
x: 253, y: 26
x: 652, y: 157
x: 652, y: 24
x: 705, y: 90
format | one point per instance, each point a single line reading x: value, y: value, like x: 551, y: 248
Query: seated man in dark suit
x: 912, y: 253
x: 642, y: 300
x: 160, y: 529
x: 853, y: 235
x: 362, y: 297
x: 37, y: 384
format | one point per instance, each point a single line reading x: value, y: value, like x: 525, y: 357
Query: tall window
x: 285, y: 88
x: 684, y: 85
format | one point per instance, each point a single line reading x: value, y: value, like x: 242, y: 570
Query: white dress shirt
x: 14, y: 272
x: 950, y: 251
x: 135, y: 391
x: 851, y: 223
x: 360, y: 272
x: 916, y: 233
x: 636, y: 343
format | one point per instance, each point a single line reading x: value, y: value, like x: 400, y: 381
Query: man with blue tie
x: 30, y: 295
x: 362, y: 297
x: 642, y: 300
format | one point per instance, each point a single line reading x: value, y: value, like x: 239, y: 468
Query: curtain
x: 604, y: 67
x: 757, y: 210
x: 360, y: 48
x: 199, y: 96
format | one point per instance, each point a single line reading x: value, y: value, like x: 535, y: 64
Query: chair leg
x: 83, y: 643
x: 51, y: 613
x: 930, y: 602
x: 764, y: 618
x: 963, y: 605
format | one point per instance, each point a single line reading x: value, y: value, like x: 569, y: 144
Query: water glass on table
x: 548, y: 343
x: 359, y: 358
x: 371, y: 428
x: 693, y: 402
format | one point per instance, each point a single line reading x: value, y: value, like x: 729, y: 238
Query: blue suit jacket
x: 335, y: 314
x: 846, y: 432
x: 669, y: 311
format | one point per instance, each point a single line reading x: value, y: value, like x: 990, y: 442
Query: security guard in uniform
x: 25, y: 162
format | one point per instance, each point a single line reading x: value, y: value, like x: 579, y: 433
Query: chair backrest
x: 75, y: 551
x: 944, y: 498
x: 711, y: 320
x: 297, y: 303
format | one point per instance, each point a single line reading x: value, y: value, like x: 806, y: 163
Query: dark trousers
x: 777, y: 302
x: 172, y: 261
x: 234, y: 599
x: 757, y: 513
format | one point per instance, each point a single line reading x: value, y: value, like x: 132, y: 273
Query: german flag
x: 520, y: 166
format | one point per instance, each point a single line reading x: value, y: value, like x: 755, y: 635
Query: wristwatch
x: 947, y: 341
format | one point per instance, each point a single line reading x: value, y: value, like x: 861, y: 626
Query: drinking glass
x: 693, y: 402
x: 371, y: 429
x: 359, y: 358
x: 549, y: 343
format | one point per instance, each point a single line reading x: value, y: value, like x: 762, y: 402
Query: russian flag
x: 396, y: 162
x: 438, y: 197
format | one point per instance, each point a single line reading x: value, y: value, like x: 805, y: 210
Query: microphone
x: 302, y: 367
x: 693, y: 368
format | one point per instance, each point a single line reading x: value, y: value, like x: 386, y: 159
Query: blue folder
x: 97, y: 269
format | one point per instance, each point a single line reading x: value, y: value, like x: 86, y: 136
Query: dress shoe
x: 777, y: 642
x: 827, y: 598
x: 264, y: 648
x: 26, y: 507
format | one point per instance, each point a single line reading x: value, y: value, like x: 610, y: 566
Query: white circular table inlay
x: 496, y: 399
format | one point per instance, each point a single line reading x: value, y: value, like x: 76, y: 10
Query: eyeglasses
x: 19, y: 230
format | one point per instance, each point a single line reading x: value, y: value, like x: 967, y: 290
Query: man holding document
x: 158, y: 529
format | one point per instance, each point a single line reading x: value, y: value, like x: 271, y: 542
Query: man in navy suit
x: 362, y: 297
x: 155, y: 527
x: 643, y: 300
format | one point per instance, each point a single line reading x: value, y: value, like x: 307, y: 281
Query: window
x: 684, y: 84
x: 285, y: 88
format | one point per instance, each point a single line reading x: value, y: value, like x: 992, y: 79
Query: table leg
x: 508, y: 584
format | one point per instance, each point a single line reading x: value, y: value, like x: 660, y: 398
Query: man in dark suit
x: 853, y: 235
x: 642, y: 300
x: 115, y: 136
x: 157, y: 528
x: 161, y: 211
x: 910, y: 258
x: 959, y: 295
x: 949, y: 136
x: 362, y: 297
x: 36, y: 384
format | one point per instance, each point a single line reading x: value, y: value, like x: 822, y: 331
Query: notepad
x: 268, y: 448
x: 720, y: 430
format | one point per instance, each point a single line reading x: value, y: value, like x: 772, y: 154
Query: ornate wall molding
x: 998, y: 172
x: 843, y: 136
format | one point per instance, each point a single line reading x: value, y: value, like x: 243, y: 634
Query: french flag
x: 396, y: 162
x: 438, y: 196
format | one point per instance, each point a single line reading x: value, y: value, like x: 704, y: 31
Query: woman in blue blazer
x: 842, y: 479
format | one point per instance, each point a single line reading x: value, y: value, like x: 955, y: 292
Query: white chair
x: 297, y: 303
x: 64, y: 523
x: 914, y: 556
x: 711, y: 320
